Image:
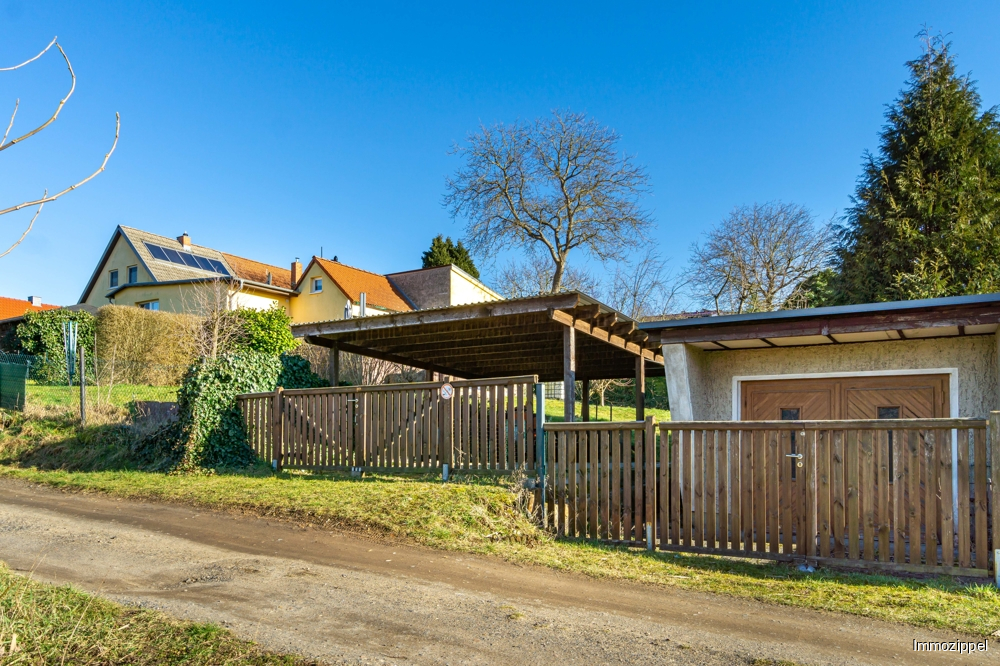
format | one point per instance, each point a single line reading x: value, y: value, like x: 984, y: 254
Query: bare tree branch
x: 17, y: 103
x: 59, y: 106
x: 27, y: 230
x: 30, y: 60
x: 46, y: 199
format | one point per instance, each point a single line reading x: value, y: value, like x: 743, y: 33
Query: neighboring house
x: 160, y: 273
x: 12, y: 311
x: 908, y: 359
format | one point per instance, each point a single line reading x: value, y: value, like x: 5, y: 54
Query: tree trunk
x: 558, y: 276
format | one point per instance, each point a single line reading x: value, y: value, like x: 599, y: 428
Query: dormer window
x: 113, y: 279
x: 316, y: 286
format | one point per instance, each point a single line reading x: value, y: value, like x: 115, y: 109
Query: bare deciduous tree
x: 644, y: 287
x: 533, y: 276
x: 39, y: 203
x: 755, y: 258
x: 366, y: 371
x: 217, y: 329
x: 551, y: 186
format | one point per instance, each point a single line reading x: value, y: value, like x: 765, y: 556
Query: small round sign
x: 447, y: 391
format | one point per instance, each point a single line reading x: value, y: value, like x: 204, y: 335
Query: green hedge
x: 41, y: 334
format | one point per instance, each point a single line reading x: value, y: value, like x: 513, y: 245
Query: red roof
x: 15, y: 307
x: 353, y: 281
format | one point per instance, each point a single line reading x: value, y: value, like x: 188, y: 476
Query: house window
x: 133, y: 274
x: 149, y: 305
x: 113, y: 279
x: 317, y: 285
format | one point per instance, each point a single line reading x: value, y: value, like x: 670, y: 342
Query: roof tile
x: 15, y: 307
x: 353, y: 281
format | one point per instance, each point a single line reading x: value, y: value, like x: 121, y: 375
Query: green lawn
x: 483, y: 516
x: 554, y: 412
x: 48, y: 624
x: 120, y: 395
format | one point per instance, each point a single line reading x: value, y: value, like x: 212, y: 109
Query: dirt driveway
x: 345, y: 599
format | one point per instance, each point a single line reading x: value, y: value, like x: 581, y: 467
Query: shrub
x: 41, y: 334
x: 267, y: 331
x: 140, y: 346
x: 296, y: 372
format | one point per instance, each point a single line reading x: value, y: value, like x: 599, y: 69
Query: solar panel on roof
x: 186, y: 259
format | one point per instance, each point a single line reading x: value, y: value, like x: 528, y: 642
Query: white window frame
x: 312, y: 285
x: 144, y: 305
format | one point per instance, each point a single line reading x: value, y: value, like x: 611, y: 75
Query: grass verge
x: 46, y: 624
x: 487, y: 517
x: 554, y: 412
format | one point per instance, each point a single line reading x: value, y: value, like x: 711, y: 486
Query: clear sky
x: 271, y: 129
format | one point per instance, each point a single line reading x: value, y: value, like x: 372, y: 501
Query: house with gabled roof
x: 161, y: 273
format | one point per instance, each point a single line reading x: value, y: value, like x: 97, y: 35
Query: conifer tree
x: 926, y: 215
x: 443, y: 252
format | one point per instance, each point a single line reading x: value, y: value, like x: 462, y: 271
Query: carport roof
x: 867, y: 322
x: 497, y: 339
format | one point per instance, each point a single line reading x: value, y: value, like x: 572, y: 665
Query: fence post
x: 540, y: 456
x: 276, y: 431
x: 650, y: 478
x: 83, y: 388
x: 449, y: 427
x: 993, y: 437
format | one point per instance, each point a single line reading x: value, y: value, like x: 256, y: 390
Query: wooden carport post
x: 640, y: 388
x: 569, y: 372
x: 334, y: 366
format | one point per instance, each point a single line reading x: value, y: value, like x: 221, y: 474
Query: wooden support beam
x: 334, y: 367
x: 585, y: 311
x: 606, y: 320
x: 623, y: 328
x: 601, y: 334
x: 392, y: 358
x: 569, y: 372
x: 640, y: 389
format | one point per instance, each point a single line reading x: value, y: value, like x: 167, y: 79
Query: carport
x: 569, y: 336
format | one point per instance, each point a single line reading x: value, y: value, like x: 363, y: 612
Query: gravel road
x: 344, y: 599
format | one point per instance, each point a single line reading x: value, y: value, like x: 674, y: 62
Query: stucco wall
x: 185, y: 297
x: 327, y: 305
x: 120, y: 259
x: 710, y: 374
x: 466, y: 290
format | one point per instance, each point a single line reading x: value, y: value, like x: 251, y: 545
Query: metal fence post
x: 540, y: 456
x: 83, y: 388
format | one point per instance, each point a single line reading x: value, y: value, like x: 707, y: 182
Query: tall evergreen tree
x: 926, y: 215
x: 443, y: 252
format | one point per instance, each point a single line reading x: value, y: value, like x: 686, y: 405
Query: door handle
x: 794, y: 455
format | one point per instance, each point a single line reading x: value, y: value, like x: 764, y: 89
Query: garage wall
x: 710, y: 374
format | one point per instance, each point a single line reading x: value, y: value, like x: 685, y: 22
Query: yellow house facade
x: 156, y: 272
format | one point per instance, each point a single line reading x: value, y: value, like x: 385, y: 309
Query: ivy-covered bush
x: 210, y: 428
x: 267, y: 331
x: 296, y: 372
x: 41, y: 334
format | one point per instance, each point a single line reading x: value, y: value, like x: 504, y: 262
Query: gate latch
x: 795, y: 455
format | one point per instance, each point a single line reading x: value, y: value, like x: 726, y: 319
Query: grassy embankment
x: 554, y: 412
x: 119, y: 394
x: 46, y: 624
x: 480, y: 516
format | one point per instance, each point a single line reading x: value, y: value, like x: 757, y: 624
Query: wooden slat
x: 994, y: 447
x: 605, y: 488
x: 697, y: 521
x: 675, y: 445
x: 838, y: 495
x: 712, y: 461
x: 851, y: 455
x: 747, y: 481
x: 509, y: 440
x: 979, y: 463
x: 649, y: 481
x: 663, y: 492
x: 947, y: 503
x: 593, y: 479
x: 562, y: 483
x: 626, y: 484
x: 616, y: 485
x: 811, y: 490
x: 572, y: 489
x: 735, y: 489
x: 823, y: 486
x: 760, y: 496
x: 780, y: 510
x: 637, y: 500
x: 899, y: 513
x: 964, y: 550
x: 581, y: 484
x: 867, y: 489
x: 484, y: 427
x: 882, y: 506
x: 931, y: 501
x: 687, y: 499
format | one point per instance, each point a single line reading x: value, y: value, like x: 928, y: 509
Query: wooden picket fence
x: 488, y: 425
x: 913, y: 495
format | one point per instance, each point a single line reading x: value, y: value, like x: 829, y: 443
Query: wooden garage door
x: 899, y: 396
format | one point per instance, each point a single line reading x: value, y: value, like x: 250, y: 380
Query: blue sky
x: 270, y: 130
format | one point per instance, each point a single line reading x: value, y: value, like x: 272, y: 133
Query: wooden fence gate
x: 487, y: 425
x: 915, y: 495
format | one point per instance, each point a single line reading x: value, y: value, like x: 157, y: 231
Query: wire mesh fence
x: 108, y: 383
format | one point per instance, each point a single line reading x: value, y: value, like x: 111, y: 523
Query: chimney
x: 35, y: 300
x: 364, y: 304
x: 296, y: 272
x: 184, y: 240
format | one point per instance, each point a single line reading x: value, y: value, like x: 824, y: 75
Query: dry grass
x: 46, y: 624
